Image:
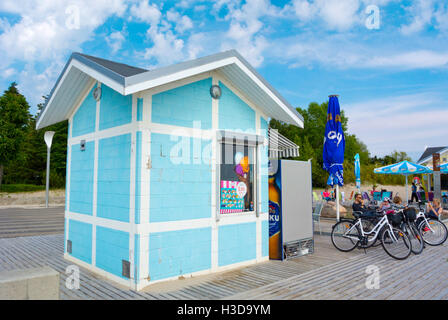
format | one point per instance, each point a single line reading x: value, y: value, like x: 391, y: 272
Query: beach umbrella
x: 334, y: 147
x: 357, y: 172
x: 444, y: 168
x: 404, y: 168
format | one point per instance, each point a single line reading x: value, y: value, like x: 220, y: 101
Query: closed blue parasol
x: 357, y: 172
x: 334, y: 143
x: 404, y: 168
x: 334, y: 147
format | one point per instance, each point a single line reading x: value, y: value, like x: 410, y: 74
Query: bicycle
x: 347, y: 234
x: 433, y: 231
x: 408, y: 226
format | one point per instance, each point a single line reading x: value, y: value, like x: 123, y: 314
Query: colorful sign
x: 275, y: 211
x: 436, y: 161
x: 232, y: 196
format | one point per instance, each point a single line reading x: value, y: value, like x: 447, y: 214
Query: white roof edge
x: 150, y: 79
x: 429, y: 157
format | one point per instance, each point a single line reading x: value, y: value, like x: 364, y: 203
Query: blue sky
x: 392, y: 76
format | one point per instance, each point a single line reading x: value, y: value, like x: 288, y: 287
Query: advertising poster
x: 232, y: 196
x: 237, y: 177
x: 275, y: 211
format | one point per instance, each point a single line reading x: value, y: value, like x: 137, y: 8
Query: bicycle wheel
x: 415, y: 238
x: 396, y: 243
x: 433, y: 232
x: 345, y: 236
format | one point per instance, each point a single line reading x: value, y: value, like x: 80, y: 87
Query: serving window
x: 237, y: 178
x: 237, y: 174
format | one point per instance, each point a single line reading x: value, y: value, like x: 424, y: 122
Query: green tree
x: 30, y: 165
x: 14, y: 118
x: 310, y: 139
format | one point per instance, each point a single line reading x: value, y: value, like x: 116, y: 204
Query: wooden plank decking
x: 26, y: 252
x: 21, y: 222
x: 326, y: 274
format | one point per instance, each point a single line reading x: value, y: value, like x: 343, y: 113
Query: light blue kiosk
x: 166, y: 169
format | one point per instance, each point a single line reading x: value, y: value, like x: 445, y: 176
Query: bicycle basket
x: 394, y: 219
x: 410, y: 214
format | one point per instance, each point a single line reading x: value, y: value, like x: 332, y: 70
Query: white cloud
x: 144, y: 12
x: 343, y: 52
x: 166, y: 49
x: 335, y: 14
x: 422, y: 12
x: 441, y: 17
x: 166, y: 34
x: 115, y: 40
x: 418, y: 59
x: 8, y: 72
x: 183, y: 23
x: 246, y: 28
x: 47, y: 31
x: 339, y: 15
x: 407, y: 122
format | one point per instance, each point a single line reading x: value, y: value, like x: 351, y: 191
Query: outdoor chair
x: 315, y: 197
x: 386, y: 194
x: 316, y: 213
x: 365, y: 196
x: 421, y: 197
x: 377, y: 196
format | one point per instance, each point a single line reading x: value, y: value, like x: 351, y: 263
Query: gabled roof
x: 122, y: 69
x: 427, y: 154
x: 83, y: 70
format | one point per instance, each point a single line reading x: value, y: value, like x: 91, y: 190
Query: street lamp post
x: 48, y: 137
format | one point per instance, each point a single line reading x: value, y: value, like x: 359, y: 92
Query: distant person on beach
x: 326, y: 195
x: 434, y: 210
x: 373, y: 190
x: 414, y: 192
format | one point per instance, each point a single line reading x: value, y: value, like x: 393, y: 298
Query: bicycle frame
x: 421, y: 214
x: 376, y: 230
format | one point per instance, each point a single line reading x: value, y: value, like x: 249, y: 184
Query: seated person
x: 385, y: 204
x: 434, y: 210
x: 398, y: 202
x: 326, y: 195
x: 358, y: 205
x: 373, y: 190
x: 421, y: 190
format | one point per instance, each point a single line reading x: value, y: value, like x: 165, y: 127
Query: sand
x: 349, y: 188
x: 37, y: 198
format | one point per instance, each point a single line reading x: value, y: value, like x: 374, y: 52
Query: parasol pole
x: 337, y: 201
x: 407, y: 195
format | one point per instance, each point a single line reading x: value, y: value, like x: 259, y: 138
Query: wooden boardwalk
x: 326, y: 274
x: 419, y: 277
x: 34, y: 251
x: 20, y: 222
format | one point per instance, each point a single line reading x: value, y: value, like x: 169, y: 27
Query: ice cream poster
x: 232, y: 196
